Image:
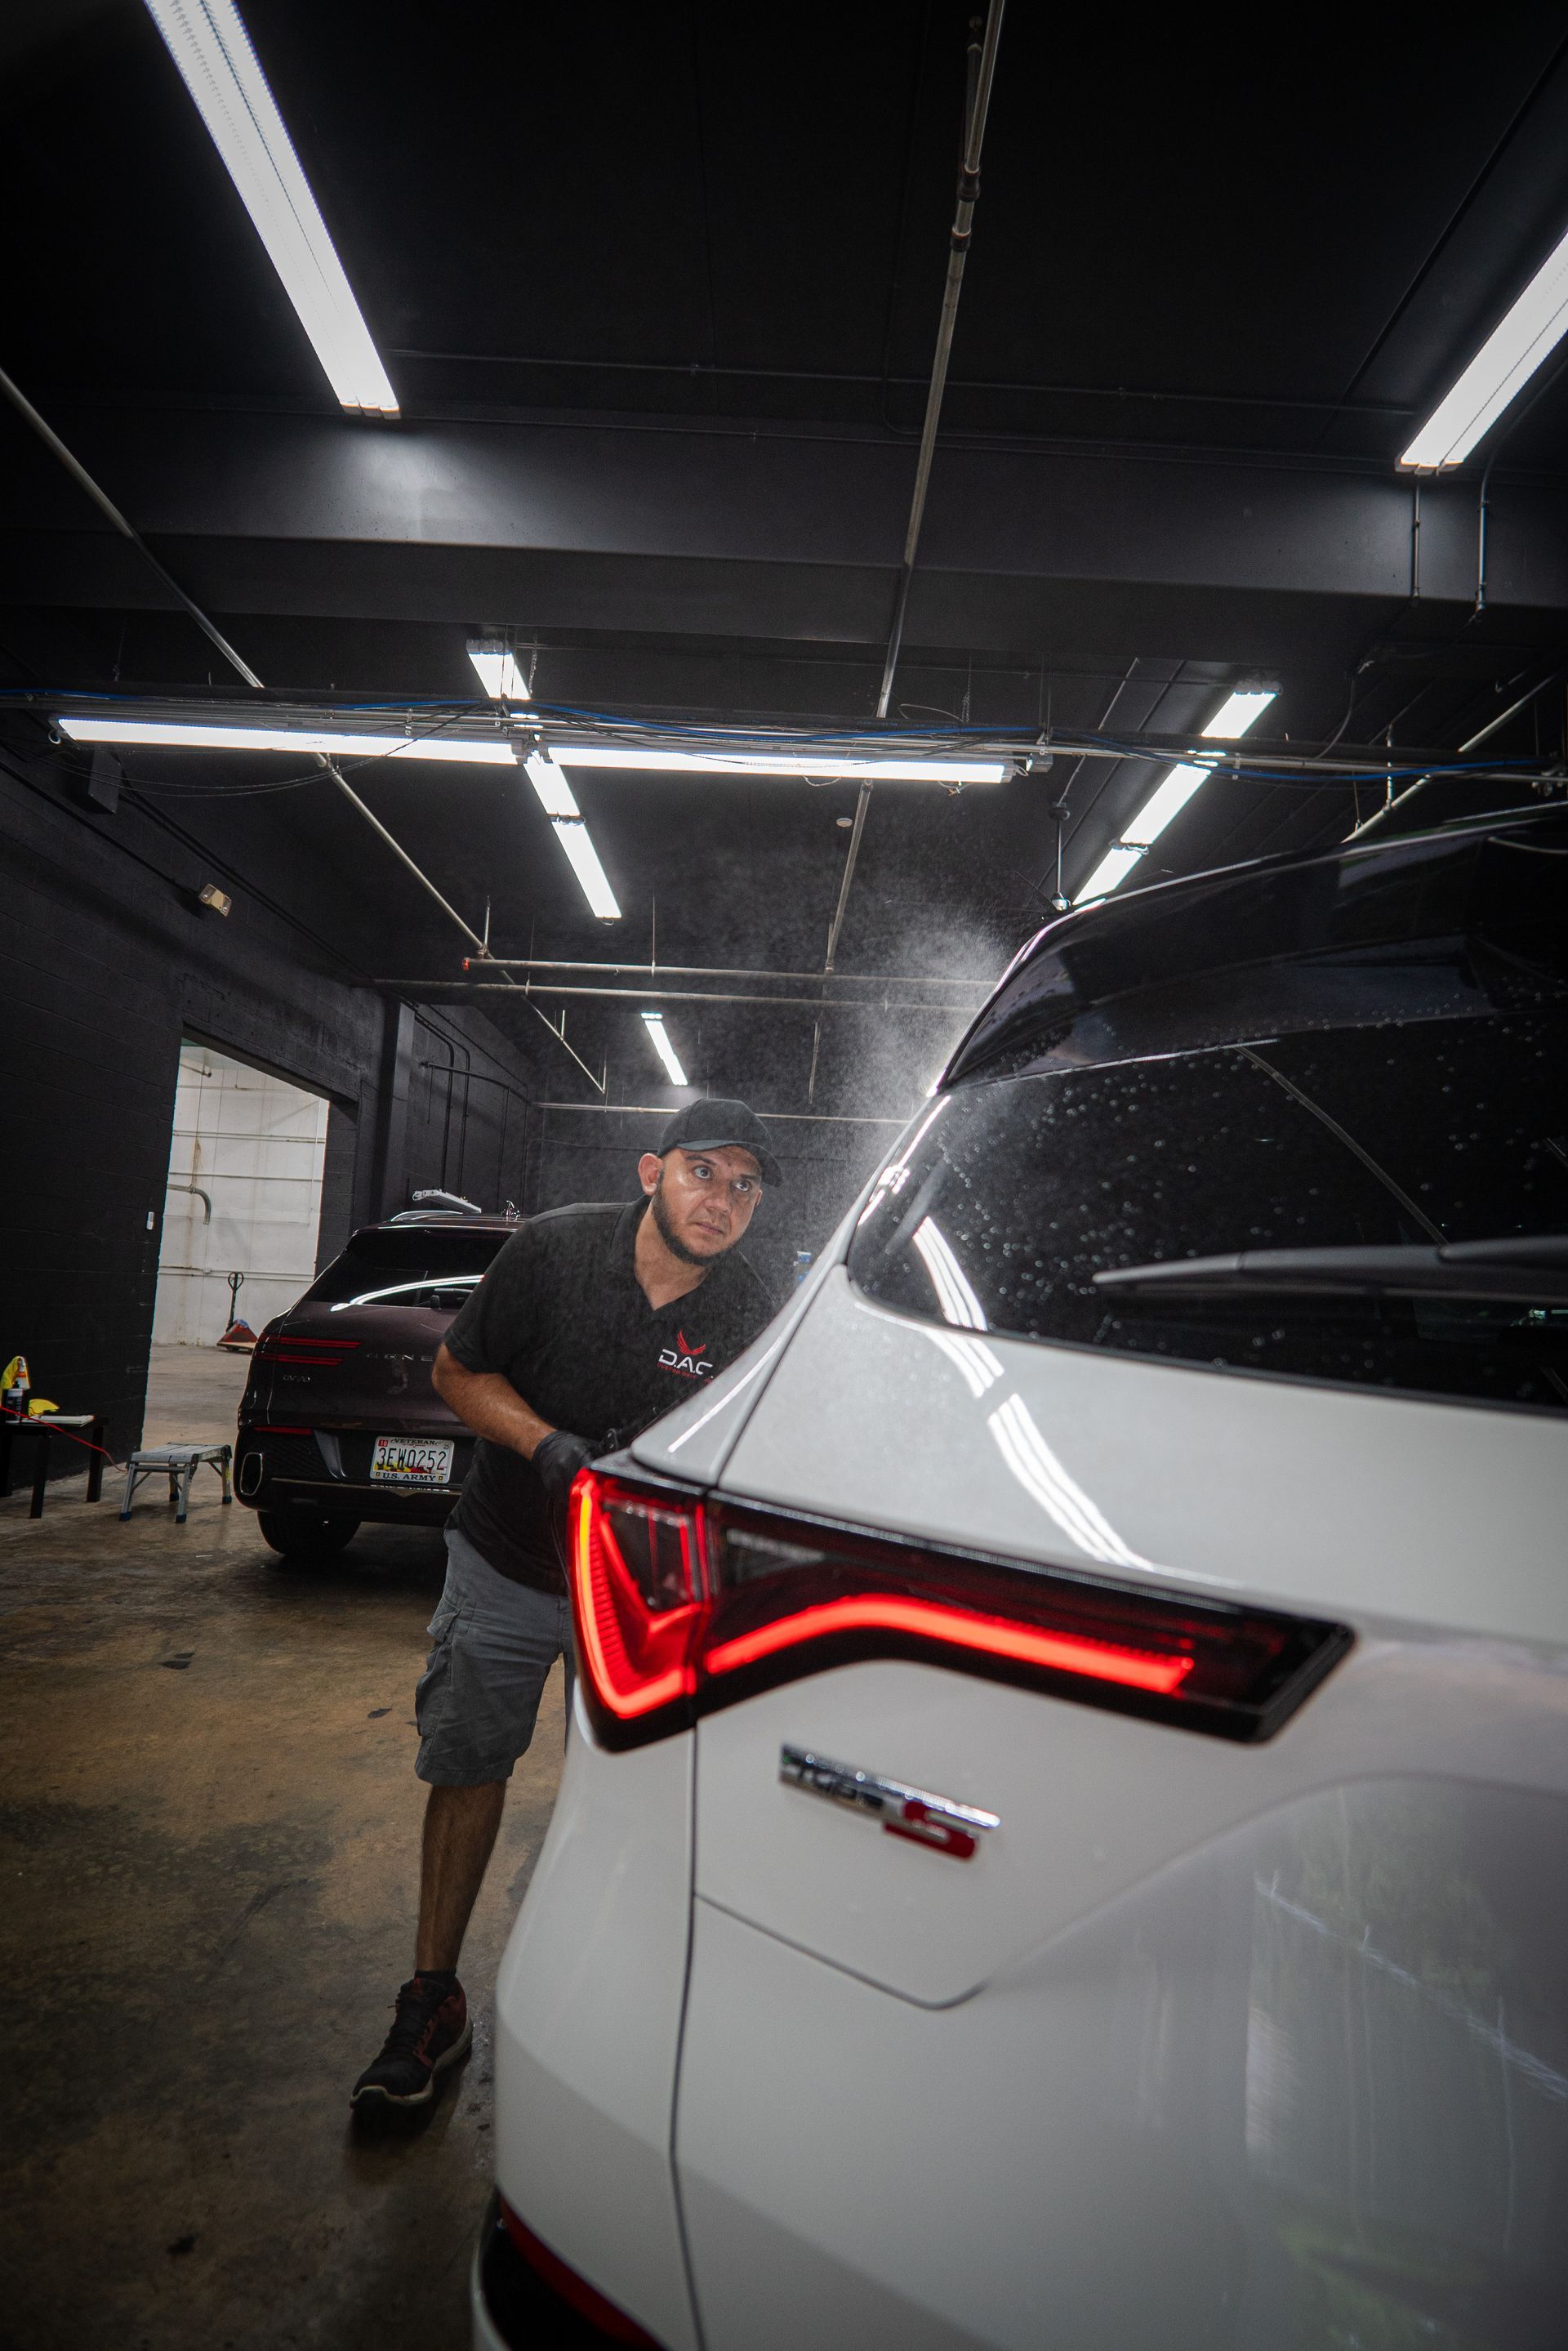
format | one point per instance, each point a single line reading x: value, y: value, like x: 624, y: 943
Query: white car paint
x: 1211, y: 2045
x: 587, y: 2020
x: 1331, y: 1499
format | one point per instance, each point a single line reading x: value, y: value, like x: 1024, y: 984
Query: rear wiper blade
x: 1532, y: 1272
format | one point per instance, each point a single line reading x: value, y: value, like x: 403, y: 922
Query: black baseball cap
x: 711, y: 1124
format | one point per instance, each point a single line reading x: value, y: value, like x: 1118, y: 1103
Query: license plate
x: 412, y: 1461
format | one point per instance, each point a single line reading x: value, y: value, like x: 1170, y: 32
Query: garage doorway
x: 245, y: 1196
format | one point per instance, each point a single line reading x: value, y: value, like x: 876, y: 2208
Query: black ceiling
x: 658, y: 289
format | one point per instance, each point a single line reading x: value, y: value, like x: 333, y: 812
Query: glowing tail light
x: 684, y: 1604
x: 311, y: 1353
x: 996, y: 1638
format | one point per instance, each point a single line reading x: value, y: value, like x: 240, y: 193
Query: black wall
x: 107, y: 960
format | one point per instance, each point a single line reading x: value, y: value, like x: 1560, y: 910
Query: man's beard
x: 671, y: 1238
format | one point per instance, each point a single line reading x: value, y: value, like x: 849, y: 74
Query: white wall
x: 255, y: 1146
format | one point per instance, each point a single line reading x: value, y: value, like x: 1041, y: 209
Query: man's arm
x: 488, y: 1405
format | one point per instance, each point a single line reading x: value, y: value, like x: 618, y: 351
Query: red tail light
x: 684, y: 1604
x: 307, y: 1353
x: 608, y: 2322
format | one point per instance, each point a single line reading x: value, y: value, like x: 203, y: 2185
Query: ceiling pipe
x: 982, y: 70
x: 676, y: 996
x: 1398, y: 800
x: 784, y: 1117
x: 981, y: 73
x: 508, y: 987
x: 105, y: 504
x: 722, y: 971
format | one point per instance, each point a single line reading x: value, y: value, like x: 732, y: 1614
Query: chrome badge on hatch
x: 902, y: 1810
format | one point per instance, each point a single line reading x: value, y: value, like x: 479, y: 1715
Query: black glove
x: 558, y: 1460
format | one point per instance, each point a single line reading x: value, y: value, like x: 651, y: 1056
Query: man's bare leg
x: 460, y: 1831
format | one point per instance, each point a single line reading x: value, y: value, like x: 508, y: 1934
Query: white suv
x: 1065, y: 1833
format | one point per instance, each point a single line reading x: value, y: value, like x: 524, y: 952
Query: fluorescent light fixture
x: 175, y: 735
x: 555, y: 795
x: 635, y: 758
x: 573, y: 835
x: 556, y: 798
x: 1168, y: 801
x: 1114, y: 867
x: 1525, y: 336
x: 184, y: 734
x: 498, y: 673
x: 209, y: 45
x: 654, y: 1024
x: 1239, y: 711
x: 1175, y: 788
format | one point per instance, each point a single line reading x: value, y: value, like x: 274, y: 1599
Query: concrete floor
x: 209, y: 1853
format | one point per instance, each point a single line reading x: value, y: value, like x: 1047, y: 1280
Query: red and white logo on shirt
x: 686, y: 1358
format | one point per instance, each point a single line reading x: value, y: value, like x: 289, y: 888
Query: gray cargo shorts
x: 494, y: 1642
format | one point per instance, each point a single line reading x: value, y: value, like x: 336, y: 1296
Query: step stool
x: 182, y: 1462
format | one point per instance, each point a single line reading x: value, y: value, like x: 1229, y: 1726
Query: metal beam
x: 786, y: 534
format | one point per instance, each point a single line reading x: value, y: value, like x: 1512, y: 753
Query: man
x: 591, y: 1323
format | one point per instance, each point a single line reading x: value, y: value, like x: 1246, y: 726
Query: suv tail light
x: 593, y: 2318
x: 304, y: 1351
x: 684, y: 1604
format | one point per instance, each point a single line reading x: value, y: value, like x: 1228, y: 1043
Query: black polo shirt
x: 562, y: 1315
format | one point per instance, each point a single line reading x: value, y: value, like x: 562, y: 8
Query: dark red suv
x: 339, y: 1422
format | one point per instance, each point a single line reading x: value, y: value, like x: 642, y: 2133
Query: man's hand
x: 491, y: 1408
x: 557, y: 1460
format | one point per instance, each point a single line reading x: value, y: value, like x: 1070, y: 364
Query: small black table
x: 46, y: 1424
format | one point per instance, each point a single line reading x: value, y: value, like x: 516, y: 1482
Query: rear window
x: 1015, y: 1194
x: 433, y: 1266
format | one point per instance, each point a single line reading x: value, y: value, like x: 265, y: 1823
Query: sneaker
x: 430, y: 2030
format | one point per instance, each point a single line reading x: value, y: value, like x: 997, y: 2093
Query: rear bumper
x: 513, y: 2308
x: 336, y: 1497
x: 301, y: 1468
